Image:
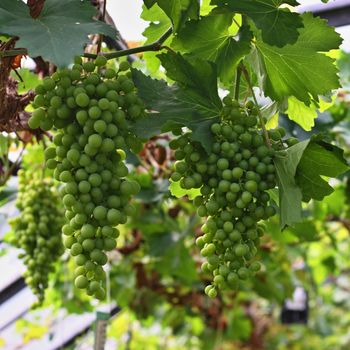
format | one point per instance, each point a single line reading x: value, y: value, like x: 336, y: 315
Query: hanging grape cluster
x: 90, y: 105
x: 233, y: 180
x: 37, y: 230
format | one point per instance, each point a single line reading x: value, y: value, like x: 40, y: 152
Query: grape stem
x: 155, y: 46
x: 261, y: 119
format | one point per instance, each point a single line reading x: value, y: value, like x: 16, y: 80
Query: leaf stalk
x: 261, y: 119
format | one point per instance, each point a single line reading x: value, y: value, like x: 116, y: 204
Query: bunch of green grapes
x: 233, y: 180
x: 37, y: 230
x: 91, y: 105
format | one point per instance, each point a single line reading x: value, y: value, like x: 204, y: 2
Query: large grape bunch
x: 37, y: 230
x: 91, y: 109
x: 233, y: 180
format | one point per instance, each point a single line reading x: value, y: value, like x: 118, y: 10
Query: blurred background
x: 302, y: 302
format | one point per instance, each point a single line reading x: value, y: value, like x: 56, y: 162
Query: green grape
x: 48, y: 84
x: 123, y: 66
x: 100, y: 61
x: 89, y: 66
x: 233, y: 177
x: 39, y: 205
x: 92, y: 112
x: 82, y: 99
x: 34, y: 122
x: 81, y: 282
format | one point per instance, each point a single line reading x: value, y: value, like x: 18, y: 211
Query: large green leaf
x: 209, y: 38
x: 301, y: 70
x: 178, y: 262
x: 175, y: 257
x: 197, y: 77
x: 290, y: 194
x: 192, y: 102
x: 319, y: 159
x: 278, y: 25
x: 60, y: 31
x: 179, y: 10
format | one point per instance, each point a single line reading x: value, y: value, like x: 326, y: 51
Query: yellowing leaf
x: 35, y: 332
x: 272, y: 123
x: 120, y: 325
x: 177, y: 191
x: 300, y: 113
x: 324, y: 105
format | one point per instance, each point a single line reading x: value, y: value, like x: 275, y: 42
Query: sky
x: 126, y: 14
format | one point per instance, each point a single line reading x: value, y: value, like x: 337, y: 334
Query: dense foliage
x: 222, y: 160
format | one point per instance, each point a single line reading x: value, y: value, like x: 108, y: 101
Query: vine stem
x: 155, y: 46
x: 12, y: 167
x: 261, y: 119
x: 237, y: 82
x: 11, y: 53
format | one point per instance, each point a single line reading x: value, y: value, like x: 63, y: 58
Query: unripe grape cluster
x: 91, y: 106
x: 233, y: 178
x: 37, y: 230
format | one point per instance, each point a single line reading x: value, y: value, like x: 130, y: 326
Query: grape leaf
x: 319, y: 159
x: 149, y: 3
x: 193, y: 101
x: 58, y: 34
x: 336, y: 201
x: 209, y: 38
x: 301, y: 70
x: 160, y: 23
x: 177, y: 261
x: 239, y: 326
x: 175, y: 257
x: 289, y: 193
x: 7, y: 194
x: 197, y: 76
x: 179, y: 11
x: 278, y: 25
x: 4, y: 145
x: 173, y: 108
x: 305, y: 231
x: 300, y: 113
x: 30, y: 80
